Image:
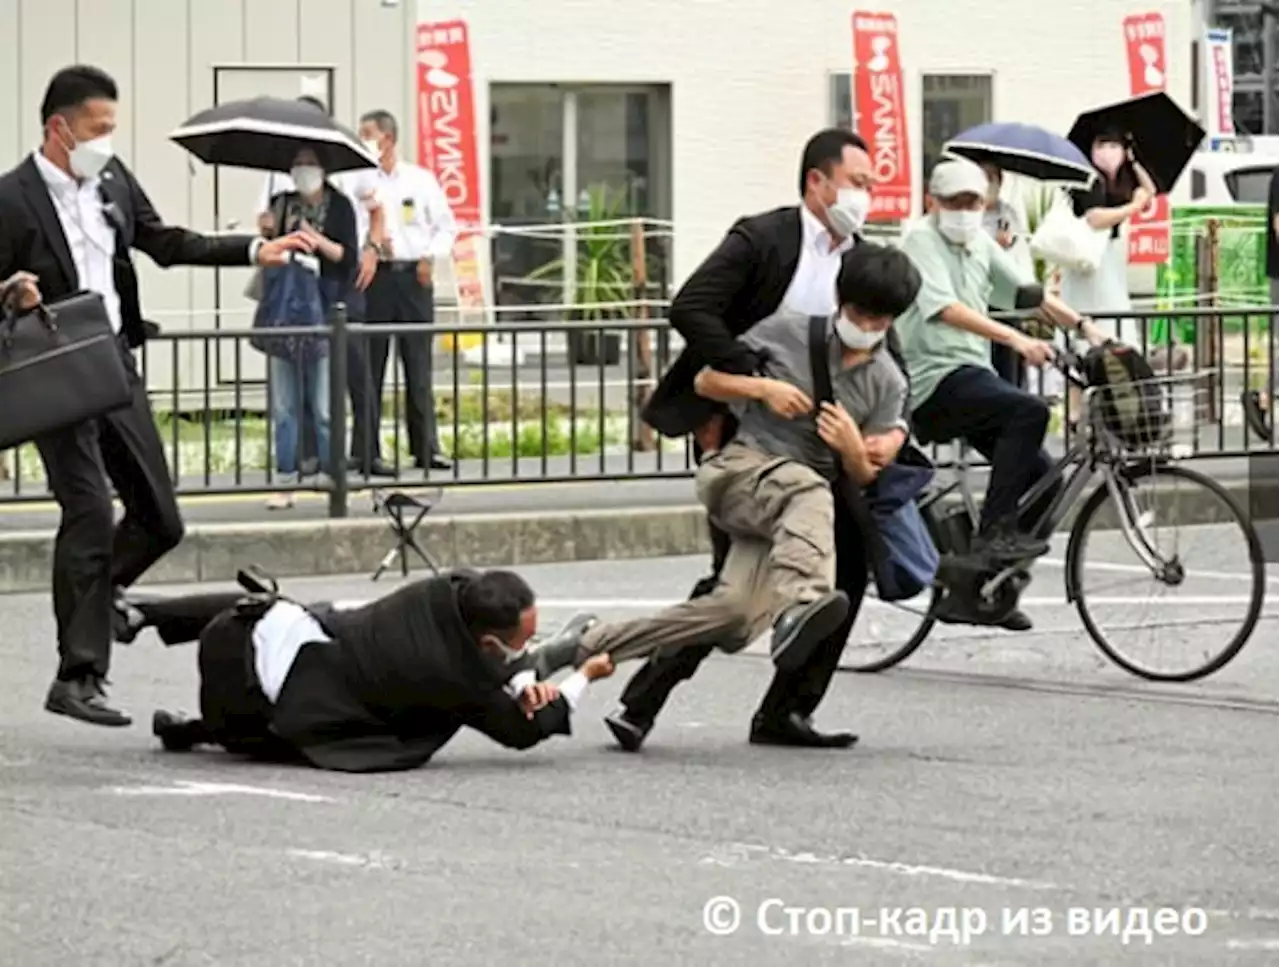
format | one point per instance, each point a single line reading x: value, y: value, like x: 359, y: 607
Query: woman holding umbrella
x: 1123, y: 189
x: 299, y: 367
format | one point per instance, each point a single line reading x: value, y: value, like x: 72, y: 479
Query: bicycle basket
x: 1150, y: 414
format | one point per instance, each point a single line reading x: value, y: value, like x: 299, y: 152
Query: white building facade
x: 693, y: 110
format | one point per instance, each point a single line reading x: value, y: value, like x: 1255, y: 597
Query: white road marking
x: 734, y: 854
x: 656, y: 604
x: 885, y: 943
x: 374, y: 861
x: 1253, y: 944
x: 185, y: 788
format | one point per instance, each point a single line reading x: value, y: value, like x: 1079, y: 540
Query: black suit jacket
x: 404, y: 676
x: 743, y: 281
x: 32, y: 239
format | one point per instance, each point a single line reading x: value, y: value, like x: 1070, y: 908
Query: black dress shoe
x: 84, y: 699
x: 802, y: 628
x: 173, y: 731
x: 377, y: 468
x: 628, y: 732
x: 796, y: 731
x: 439, y: 462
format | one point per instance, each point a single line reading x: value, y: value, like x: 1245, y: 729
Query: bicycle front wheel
x: 1205, y: 578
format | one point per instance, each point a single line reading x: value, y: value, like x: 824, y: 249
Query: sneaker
x: 1008, y: 547
x: 280, y: 501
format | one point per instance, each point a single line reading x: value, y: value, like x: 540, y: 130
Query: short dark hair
x: 877, y: 280
x: 314, y: 102
x: 825, y: 150
x: 494, y: 601
x: 72, y: 86
x: 385, y: 120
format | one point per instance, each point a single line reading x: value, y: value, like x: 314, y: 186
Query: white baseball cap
x: 957, y: 176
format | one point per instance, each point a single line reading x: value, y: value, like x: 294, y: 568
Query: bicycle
x: 1099, y: 448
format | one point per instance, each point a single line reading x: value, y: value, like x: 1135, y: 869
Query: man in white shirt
x: 371, y: 688
x: 419, y: 228
x: 69, y: 214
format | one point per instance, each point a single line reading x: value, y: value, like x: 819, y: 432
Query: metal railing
x: 548, y: 402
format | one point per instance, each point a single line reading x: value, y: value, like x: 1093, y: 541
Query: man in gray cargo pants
x: 770, y: 488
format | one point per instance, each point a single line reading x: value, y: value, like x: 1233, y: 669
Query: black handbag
x: 60, y: 366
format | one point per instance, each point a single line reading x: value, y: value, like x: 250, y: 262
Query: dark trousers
x: 797, y: 692
x: 395, y: 296
x: 91, y: 553
x: 181, y: 620
x: 233, y: 711
x: 1005, y: 424
x: 1009, y: 366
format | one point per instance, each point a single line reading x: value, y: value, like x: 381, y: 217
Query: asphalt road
x: 996, y: 772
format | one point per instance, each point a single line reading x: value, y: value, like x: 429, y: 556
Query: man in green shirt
x: 946, y: 340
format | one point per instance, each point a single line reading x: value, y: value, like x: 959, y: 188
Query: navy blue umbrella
x: 1025, y: 150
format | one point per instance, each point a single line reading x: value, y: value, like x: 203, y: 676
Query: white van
x: 1239, y: 177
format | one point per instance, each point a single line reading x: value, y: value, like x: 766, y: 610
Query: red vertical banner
x: 1144, y: 37
x: 447, y: 141
x: 881, y: 112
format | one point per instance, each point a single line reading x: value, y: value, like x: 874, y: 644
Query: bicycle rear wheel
x: 888, y: 633
x: 1234, y: 579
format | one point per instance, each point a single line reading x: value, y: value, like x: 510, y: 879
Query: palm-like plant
x: 604, y: 280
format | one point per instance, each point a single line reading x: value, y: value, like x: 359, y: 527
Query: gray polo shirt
x: 873, y: 392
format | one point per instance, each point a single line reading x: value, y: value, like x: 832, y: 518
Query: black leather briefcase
x: 60, y: 365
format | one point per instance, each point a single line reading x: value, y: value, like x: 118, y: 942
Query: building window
x: 1247, y: 40
x: 949, y: 104
x: 840, y: 105
x: 562, y: 153
x: 1248, y: 113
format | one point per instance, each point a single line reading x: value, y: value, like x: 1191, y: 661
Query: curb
x: 214, y: 552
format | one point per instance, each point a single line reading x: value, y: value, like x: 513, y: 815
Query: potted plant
x: 604, y: 281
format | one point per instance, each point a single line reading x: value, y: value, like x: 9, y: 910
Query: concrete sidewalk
x: 477, y: 526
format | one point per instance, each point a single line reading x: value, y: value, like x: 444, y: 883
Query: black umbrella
x: 266, y: 133
x: 1162, y: 135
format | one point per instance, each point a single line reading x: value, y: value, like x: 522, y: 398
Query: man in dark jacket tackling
x: 377, y: 688
x: 785, y: 259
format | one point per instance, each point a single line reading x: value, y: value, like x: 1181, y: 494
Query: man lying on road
x: 376, y: 688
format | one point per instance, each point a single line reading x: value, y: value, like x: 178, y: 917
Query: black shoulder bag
x: 845, y: 491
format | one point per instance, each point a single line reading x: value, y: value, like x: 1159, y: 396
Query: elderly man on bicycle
x: 946, y: 340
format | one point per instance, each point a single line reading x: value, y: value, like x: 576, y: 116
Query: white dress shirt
x: 278, y: 636
x: 813, y: 288
x: 418, y: 219
x: 90, y: 237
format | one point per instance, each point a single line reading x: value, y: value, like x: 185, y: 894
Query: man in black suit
x: 69, y: 214
x: 377, y: 688
x: 788, y: 257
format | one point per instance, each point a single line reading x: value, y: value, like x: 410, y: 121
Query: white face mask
x: 372, y: 148
x: 854, y: 336
x: 849, y: 213
x: 88, y: 158
x: 960, y: 227
x: 308, y: 178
